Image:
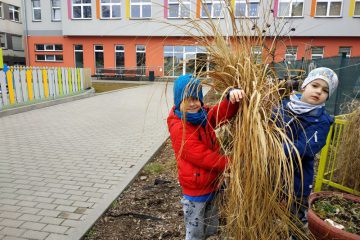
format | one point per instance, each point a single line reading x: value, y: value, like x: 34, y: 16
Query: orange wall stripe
x: 313, y: 7
x: 352, y: 8
x: 198, y: 6
x: 98, y: 9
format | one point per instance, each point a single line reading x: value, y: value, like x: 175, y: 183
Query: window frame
x: 141, y: 4
x: 257, y: 51
x: 291, y: 8
x: 12, y: 10
x: 82, y: 5
x: 212, y: 2
x: 1, y: 8
x: 328, y: 8
x: 48, y: 55
x: 34, y: 9
x: 110, y: 4
x: 119, y: 51
x: 343, y: 47
x: 181, y: 4
x: 356, y: 2
x: 5, y: 40
x: 247, y: 2
x: 140, y: 51
x: 78, y: 51
x: 289, y: 54
x: 47, y: 47
x: 99, y: 51
x: 55, y: 8
x: 317, y: 54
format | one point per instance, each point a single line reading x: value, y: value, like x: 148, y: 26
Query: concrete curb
x: 25, y: 108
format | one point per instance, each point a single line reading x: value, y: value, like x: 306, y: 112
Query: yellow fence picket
x: 9, y: 78
x: 29, y: 84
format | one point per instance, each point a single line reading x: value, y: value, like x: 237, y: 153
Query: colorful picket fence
x: 21, y: 85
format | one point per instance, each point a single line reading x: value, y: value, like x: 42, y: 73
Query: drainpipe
x: 26, y: 48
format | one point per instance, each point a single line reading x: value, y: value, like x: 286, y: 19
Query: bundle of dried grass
x: 260, y: 183
x: 348, y: 159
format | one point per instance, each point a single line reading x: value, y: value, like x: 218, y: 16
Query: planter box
x: 322, y: 230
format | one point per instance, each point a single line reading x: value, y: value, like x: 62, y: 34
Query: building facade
x: 11, y: 32
x: 155, y: 33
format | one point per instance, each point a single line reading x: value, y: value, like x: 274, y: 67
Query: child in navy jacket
x: 307, y: 124
x: 200, y: 165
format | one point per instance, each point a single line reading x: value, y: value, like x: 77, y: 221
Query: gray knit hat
x: 325, y: 74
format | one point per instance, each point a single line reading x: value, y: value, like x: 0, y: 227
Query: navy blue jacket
x: 308, y: 132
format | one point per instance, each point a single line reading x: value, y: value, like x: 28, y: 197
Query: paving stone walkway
x: 62, y: 166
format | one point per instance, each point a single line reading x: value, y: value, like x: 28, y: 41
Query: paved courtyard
x: 62, y: 166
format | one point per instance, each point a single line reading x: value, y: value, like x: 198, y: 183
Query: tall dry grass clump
x: 348, y: 159
x: 260, y: 177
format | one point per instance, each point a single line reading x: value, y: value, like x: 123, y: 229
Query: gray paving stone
x: 6, y: 207
x: 33, y: 225
x: 30, y: 217
x: 11, y: 231
x: 49, y: 213
x: 52, y: 220
x: 29, y: 210
x: 46, y: 206
x: 12, y: 238
x: 10, y: 215
x: 31, y: 234
x: 55, y: 229
x: 11, y: 223
x: 55, y: 236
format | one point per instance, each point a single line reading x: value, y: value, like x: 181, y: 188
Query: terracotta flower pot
x: 322, y: 230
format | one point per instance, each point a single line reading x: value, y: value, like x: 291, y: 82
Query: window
x: 119, y: 56
x: 0, y: 9
x: 291, y: 53
x: 36, y: 10
x: 328, y: 8
x: 99, y: 56
x: 81, y: 9
x: 110, y: 8
x: 291, y: 8
x: 140, y: 55
x: 346, y: 50
x: 17, y: 43
x: 256, y: 53
x: 247, y: 8
x: 48, y: 47
x: 3, y: 40
x: 317, y: 52
x: 140, y: 8
x: 14, y: 13
x: 49, y: 58
x: 179, y: 60
x: 79, y: 56
x: 357, y: 8
x: 55, y: 10
x: 212, y: 8
x: 179, y: 9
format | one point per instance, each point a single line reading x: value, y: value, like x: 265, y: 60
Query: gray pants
x: 201, y: 219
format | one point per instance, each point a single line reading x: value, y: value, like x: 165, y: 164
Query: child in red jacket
x: 200, y: 165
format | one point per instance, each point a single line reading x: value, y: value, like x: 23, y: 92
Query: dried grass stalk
x: 260, y: 183
x: 349, y: 151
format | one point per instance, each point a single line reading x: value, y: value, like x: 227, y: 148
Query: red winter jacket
x: 196, y: 150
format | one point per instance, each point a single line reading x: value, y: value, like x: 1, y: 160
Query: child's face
x: 190, y: 105
x: 315, y: 92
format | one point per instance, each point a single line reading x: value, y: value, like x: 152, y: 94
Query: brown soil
x: 150, y: 207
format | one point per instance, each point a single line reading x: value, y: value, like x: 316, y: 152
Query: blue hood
x: 187, y: 86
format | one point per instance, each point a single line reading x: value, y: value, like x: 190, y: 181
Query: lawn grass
x: 106, y: 87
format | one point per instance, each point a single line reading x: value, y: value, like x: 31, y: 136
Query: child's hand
x: 236, y: 95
